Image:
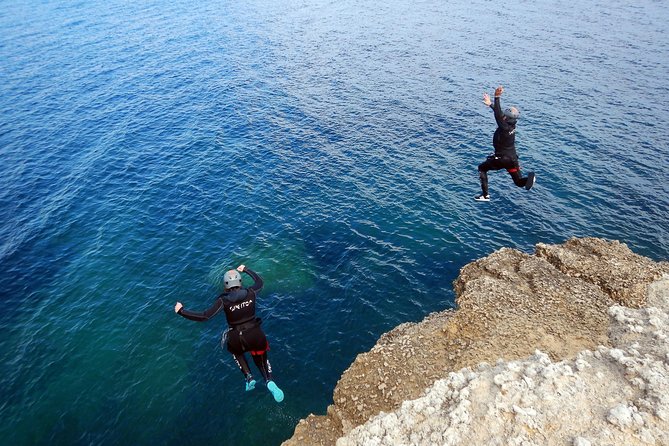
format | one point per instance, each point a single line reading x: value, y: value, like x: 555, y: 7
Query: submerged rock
x: 537, y: 342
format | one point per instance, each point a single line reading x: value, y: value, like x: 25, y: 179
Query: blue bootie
x: 250, y: 385
x: 276, y: 392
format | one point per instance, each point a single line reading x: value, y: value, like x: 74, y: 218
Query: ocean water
x: 147, y: 147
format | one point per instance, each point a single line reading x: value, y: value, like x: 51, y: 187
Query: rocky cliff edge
x: 571, y: 314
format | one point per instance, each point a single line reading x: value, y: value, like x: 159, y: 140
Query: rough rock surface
x: 616, y: 395
x: 550, y: 306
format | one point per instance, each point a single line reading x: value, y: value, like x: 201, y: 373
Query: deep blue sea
x: 331, y: 146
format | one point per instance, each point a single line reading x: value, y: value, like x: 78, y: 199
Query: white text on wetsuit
x: 240, y: 305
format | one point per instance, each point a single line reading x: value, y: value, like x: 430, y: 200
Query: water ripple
x: 331, y: 146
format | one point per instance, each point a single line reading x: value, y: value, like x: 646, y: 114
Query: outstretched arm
x: 486, y: 97
x: 197, y: 315
x: 258, y: 282
x: 497, y: 108
x: 486, y: 100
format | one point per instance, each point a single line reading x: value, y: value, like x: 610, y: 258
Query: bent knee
x: 518, y: 181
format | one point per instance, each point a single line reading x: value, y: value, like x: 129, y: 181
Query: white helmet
x: 232, y: 279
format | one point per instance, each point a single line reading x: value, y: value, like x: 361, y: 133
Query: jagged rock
x: 616, y: 395
x: 510, y: 304
x: 612, y: 266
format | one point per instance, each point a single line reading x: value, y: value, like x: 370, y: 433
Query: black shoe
x: 531, y: 180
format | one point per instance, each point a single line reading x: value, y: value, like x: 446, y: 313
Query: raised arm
x: 257, y: 280
x: 497, y: 108
x: 199, y: 316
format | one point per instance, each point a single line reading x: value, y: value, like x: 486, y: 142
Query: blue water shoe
x: 250, y: 384
x: 276, y: 392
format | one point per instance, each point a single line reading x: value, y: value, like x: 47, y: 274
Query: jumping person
x: 244, y: 333
x: 504, y: 142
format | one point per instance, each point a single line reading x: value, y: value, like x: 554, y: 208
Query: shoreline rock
x: 550, y: 306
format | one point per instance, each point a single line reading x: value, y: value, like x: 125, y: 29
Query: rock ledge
x: 575, y: 329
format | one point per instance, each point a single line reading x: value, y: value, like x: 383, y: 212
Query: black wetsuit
x: 505, y: 157
x: 244, y: 333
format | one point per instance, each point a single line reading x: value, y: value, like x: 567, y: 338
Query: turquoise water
x: 331, y: 146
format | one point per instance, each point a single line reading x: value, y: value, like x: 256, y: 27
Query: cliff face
x: 616, y: 395
x: 510, y: 305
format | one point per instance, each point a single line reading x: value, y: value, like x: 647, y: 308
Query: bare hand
x: 498, y: 91
x: 240, y: 268
x: 486, y: 99
x: 178, y: 307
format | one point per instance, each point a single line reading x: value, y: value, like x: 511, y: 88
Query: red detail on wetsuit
x: 260, y: 352
x: 512, y: 170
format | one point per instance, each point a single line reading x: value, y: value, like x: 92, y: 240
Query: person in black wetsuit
x: 244, y: 333
x: 504, y: 142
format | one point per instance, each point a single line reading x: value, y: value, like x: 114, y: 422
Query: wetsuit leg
x: 234, y: 346
x: 243, y: 365
x: 483, y: 176
x: 513, y: 168
x: 518, y: 179
x: 492, y: 163
x: 263, y: 365
x: 256, y: 343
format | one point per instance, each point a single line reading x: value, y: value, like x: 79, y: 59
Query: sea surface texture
x: 331, y: 146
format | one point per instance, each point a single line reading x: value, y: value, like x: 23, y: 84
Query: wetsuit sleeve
x: 497, y: 107
x: 204, y: 315
x: 258, y: 283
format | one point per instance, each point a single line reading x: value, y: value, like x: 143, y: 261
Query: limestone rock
x: 546, y: 321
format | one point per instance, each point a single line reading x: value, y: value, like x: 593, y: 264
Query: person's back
x: 239, y: 303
